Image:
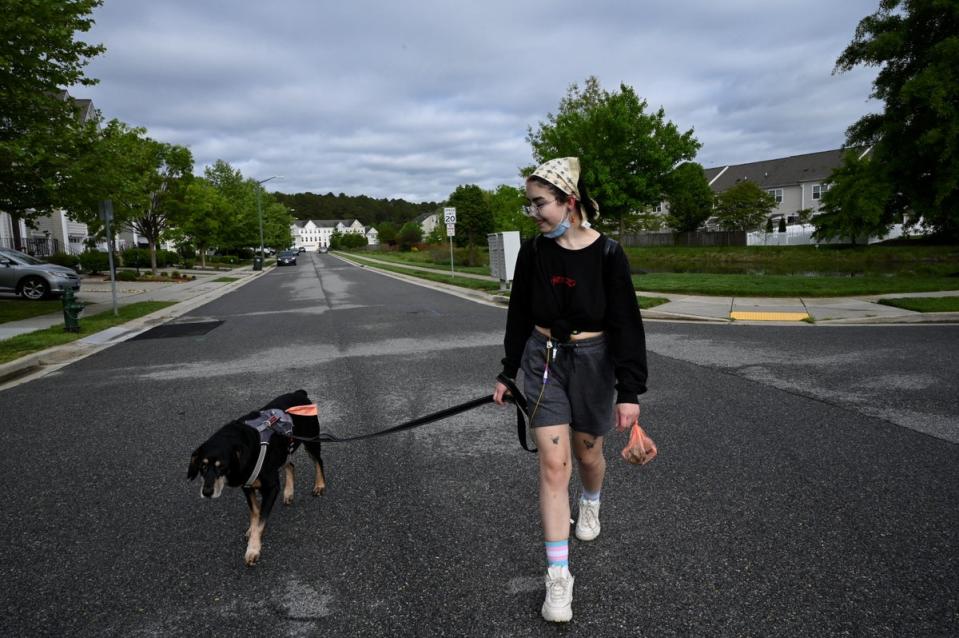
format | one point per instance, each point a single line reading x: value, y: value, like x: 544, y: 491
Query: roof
x: 422, y: 218
x: 326, y: 223
x: 776, y: 173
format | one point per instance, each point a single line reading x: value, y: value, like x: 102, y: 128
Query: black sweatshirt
x: 587, y: 290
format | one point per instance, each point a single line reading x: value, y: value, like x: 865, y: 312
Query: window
x: 818, y: 190
x: 659, y: 208
x: 777, y: 194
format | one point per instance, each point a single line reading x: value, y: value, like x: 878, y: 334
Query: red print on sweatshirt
x: 559, y: 280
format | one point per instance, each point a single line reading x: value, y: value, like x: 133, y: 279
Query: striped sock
x: 557, y: 553
x: 592, y: 496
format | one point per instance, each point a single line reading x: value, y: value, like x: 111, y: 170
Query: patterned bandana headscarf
x: 563, y: 173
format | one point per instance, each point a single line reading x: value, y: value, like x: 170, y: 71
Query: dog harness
x: 269, y: 422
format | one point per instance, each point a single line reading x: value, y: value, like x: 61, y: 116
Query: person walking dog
x: 574, y: 330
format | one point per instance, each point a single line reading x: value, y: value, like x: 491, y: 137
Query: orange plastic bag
x: 640, y: 449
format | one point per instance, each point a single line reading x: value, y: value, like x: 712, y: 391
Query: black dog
x: 232, y: 454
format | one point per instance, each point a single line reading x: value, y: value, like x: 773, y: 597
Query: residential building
x: 316, y: 233
x: 796, y: 182
x: 427, y: 222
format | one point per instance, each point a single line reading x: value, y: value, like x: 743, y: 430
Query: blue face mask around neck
x: 560, y: 228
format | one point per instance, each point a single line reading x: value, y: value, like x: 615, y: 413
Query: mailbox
x: 503, y: 250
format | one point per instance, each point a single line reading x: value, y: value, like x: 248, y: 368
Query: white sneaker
x: 558, y: 606
x: 587, y: 526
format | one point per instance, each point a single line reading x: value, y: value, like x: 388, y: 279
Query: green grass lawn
x: 17, y: 309
x: 438, y: 276
x: 924, y: 304
x: 422, y: 258
x: 760, y: 271
x: 787, y: 260
x: 22, y: 345
x: 788, y: 285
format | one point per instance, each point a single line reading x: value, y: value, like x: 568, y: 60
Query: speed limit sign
x: 449, y: 216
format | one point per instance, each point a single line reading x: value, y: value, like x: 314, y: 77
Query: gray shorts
x: 580, y: 388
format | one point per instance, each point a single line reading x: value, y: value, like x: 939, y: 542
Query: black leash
x: 517, y: 398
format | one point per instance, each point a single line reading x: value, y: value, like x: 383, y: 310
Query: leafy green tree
x: 168, y: 172
x: 916, y: 137
x: 206, y: 210
x: 41, y: 128
x: 388, y: 232
x: 474, y: 219
x: 858, y: 202
x: 805, y: 216
x: 409, y: 234
x: 690, y: 197
x: 241, y: 228
x: 506, y: 203
x: 745, y: 206
x: 626, y: 153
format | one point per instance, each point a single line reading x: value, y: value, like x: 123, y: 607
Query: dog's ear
x: 194, y: 468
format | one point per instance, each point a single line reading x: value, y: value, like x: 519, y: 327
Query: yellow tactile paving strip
x: 768, y: 316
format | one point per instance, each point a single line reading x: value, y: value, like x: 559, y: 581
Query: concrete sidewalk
x: 818, y: 310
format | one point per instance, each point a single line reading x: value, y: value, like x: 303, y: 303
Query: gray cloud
x: 412, y: 98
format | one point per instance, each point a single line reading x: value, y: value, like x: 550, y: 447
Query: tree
x: 506, y: 204
x: 388, y: 232
x: 409, y: 234
x: 805, y: 215
x: 41, y: 127
x: 626, y: 153
x: 916, y: 137
x: 167, y: 173
x: 690, y: 197
x: 745, y: 206
x: 782, y: 224
x: 858, y: 202
x: 206, y: 210
x: 474, y: 219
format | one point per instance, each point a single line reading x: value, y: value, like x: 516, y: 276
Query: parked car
x: 32, y: 278
x: 323, y: 249
x: 301, y: 249
x: 286, y: 258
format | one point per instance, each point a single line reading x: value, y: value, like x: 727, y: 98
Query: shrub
x: 126, y: 275
x: 188, y: 264
x: 136, y: 257
x: 63, y: 259
x: 186, y: 251
x: 93, y: 261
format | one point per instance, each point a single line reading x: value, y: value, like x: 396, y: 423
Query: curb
x: 39, y: 364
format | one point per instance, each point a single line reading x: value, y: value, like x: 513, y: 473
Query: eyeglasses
x: 536, y: 210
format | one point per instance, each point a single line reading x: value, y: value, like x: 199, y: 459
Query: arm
x: 627, y: 339
x: 519, y: 320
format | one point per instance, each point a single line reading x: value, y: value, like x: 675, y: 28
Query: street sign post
x: 106, y: 214
x: 449, y: 216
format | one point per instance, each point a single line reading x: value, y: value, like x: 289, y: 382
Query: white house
x: 427, y: 222
x: 316, y: 233
x: 796, y: 182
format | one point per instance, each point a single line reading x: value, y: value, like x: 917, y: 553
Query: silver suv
x: 32, y: 278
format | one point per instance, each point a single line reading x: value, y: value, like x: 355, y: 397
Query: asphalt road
x: 807, y: 482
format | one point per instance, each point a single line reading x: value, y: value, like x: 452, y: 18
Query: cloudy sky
x: 410, y: 98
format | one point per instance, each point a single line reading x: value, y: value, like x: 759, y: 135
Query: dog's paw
x: 319, y: 491
x: 251, y: 557
x: 288, y: 500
